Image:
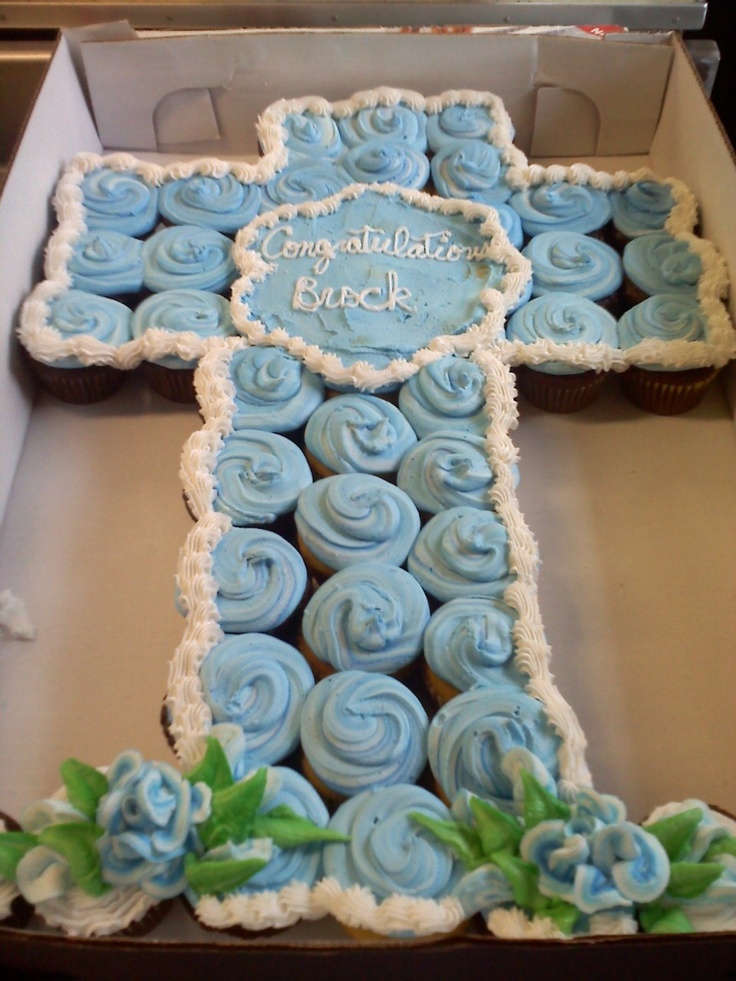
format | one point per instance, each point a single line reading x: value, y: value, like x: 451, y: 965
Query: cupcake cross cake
x: 361, y: 703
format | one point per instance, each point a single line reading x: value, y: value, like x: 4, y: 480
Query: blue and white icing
x: 447, y: 469
x: 568, y: 262
x: 107, y: 263
x: 358, y: 433
x: 445, y: 394
x: 260, y: 580
x: 273, y: 390
x: 120, y: 201
x: 181, y: 312
x: 397, y: 123
x: 661, y: 263
x: 76, y: 314
x: 360, y: 730
x: 188, y: 257
x: 210, y: 201
x: 561, y: 206
x: 389, y: 852
x: 462, y: 552
x: 367, y: 617
x: 664, y: 317
x: 304, y: 180
x: 258, y: 683
x: 472, y: 733
x: 258, y: 477
x: 643, y: 207
x: 386, y: 160
x: 356, y: 518
x: 471, y: 169
x: 459, y: 122
x: 312, y: 133
x: 469, y: 642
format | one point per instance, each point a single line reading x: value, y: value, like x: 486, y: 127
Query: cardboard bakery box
x: 634, y: 514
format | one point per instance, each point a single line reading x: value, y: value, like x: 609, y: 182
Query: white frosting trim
x: 81, y: 915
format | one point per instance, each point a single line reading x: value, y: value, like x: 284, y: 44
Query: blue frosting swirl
x: 184, y: 311
x: 148, y: 816
x: 389, y: 852
x: 563, y: 318
x: 362, y: 730
x: 258, y: 477
x: 468, y: 642
x: 260, y: 580
x: 107, y: 263
x: 448, y: 469
x: 445, y: 394
x: 511, y: 223
x: 79, y: 314
x: 458, y: 122
x: 369, y: 617
x: 462, y: 552
x: 470, y: 735
x: 568, y: 262
x: 358, y: 433
x: 186, y: 256
x: 396, y: 123
x: 660, y: 263
x: 223, y: 203
x: 313, y: 133
x: 356, y: 518
x: 664, y: 317
x: 470, y: 169
x: 642, y: 207
x: 258, y: 683
x: 387, y: 160
x: 273, y: 390
x: 120, y: 201
x: 561, y: 207
x: 304, y: 179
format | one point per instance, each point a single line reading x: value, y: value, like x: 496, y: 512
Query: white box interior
x: 635, y: 514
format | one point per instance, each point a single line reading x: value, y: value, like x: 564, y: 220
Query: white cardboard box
x: 635, y: 514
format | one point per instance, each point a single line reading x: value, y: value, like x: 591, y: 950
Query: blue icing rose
x: 182, y: 311
x: 642, y: 207
x: 148, y: 816
x: 661, y: 263
x: 387, y: 160
x: 188, y: 257
x: 399, y: 123
x: 664, y: 317
x: 312, y: 133
x: 449, y: 468
x: 458, y: 122
x: 561, y: 207
x: 107, y: 263
x: 273, y: 390
x: 223, y: 203
x: 119, y: 200
x: 304, y: 179
x: 470, y: 169
x: 79, y: 314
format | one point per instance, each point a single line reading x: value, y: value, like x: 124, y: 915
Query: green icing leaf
x: 497, y: 831
x: 675, y: 833
x: 724, y: 846
x: 539, y: 803
x: 290, y: 830
x: 523, y: 878
x: 13, y: 846
x: 463, y: 841
x: 85, y: 786
x: 211, y: 878
x: 691, y: 879
x: 233, y: 811
x: 213, y: 769
x: 660, y: 919
x: 75, y: 841
x: 563, y: 914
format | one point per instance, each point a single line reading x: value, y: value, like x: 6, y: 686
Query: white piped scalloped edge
x: 45, y: 344
x: 190, y: 717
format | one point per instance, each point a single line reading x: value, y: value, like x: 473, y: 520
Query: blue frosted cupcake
x: 188, y: 257
x: 568, y: 262
x: 258, y: 683
x: 470, y: 169
x: 447, y: 469
x: 446, y: 394
x: 390, y: 853
x: 368, y: 617
x: 462, y: 552
x: 381, y: 161
x: 179, y: 312
x: 562, y: 206
x: 639, y: 209
x: 469, y: 643
x: 312, y: 133
x: 119, y: 201
x: 304, y: 179
x: 258, y: 478
x: 458, y: 122
x: 357, y: 434
x: 260, y: 579
x: 652, y: 386
x: 566, y: 319
x: 396, y: 123
x: 222, y: 203
x: 108, y: 264
x: 354, y: 518
x: 84, y: 316
x: 471, y: 734
x: 660, y: 263
x: 273, y: 390
x: 362, y: 730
